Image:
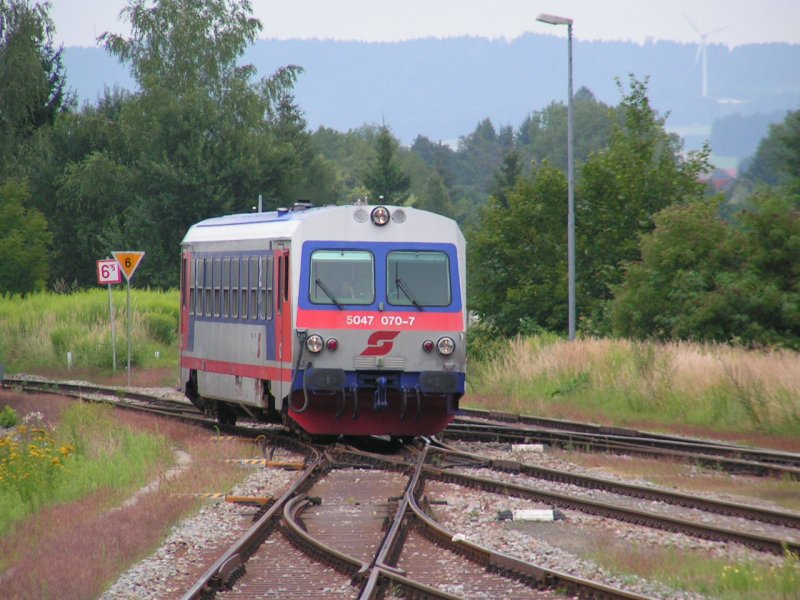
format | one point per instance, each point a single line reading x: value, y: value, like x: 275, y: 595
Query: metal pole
x: 570, y: 195
x: 556, y: 20
x: 129, y: 330
x: 113, y: 332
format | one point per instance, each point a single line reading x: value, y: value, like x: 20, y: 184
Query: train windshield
x: 418, y: 279
x: 342, y: 277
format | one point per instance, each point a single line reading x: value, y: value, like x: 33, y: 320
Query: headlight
x: 314, y: 343
x: 380, y: 216
x: 445, y: 345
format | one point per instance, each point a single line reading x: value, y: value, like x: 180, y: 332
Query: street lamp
x: 554, y: 20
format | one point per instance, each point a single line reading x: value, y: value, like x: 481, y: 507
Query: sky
x: 727, y: 22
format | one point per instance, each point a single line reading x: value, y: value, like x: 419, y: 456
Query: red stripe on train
x: 371, y: 320
x: 242, y: 370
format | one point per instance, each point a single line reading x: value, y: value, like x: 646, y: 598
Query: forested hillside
x: 659, y: 253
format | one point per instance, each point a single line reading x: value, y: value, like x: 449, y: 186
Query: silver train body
x: 335, y: 320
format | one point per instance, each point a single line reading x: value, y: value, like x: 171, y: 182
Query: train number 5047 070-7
x: 384, y: 320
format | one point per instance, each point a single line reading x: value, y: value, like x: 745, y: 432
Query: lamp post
x: 554, y: 20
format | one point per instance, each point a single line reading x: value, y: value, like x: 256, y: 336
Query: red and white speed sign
x: 108, y: 271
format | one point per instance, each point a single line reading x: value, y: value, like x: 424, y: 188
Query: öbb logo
x: 380, y: 343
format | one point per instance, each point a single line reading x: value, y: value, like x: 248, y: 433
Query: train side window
x: 254, y: 287
x: 235, y: 288
x: 201, y: 271
x: 217, y: 279
x: 270, y: 276
x: 226, y: 287
x: 192, y: 286
x: 262, y: 287
x: 243, y: 285
x: 208, y: 286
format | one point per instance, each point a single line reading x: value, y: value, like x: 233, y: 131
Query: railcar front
x: 380, y: 322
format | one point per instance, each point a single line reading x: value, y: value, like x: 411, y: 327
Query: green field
x: 38, y: 331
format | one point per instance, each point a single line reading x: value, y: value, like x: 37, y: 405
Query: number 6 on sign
x: 108, y: 272
x: 128, y: 261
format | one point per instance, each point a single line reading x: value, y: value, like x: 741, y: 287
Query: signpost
x: 108, y: 273
x: 128, y: 261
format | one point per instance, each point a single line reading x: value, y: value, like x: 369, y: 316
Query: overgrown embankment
x: 711, y: 386
x: 38, y: 331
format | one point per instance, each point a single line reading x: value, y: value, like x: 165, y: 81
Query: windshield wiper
x: 401, y: 285
x: 328, y: 293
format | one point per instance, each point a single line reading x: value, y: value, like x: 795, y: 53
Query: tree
x: 437, y: 156
x: 543, y: 134
x: 182, y: 45
x: 32, y: 81
x: 506, y: 177
x: 517, y: 255
x: 479, y: 155
x: 777, y: 159
x: 669, y: 292
x: 619, y: 191
x: 435, y: 198
x: 706, y: 279
x: 384, y: 177
x: 24, y: 241
x: 95, y: 195
x: 201, y: 138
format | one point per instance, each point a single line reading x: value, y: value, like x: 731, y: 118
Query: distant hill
x: 441, y: 88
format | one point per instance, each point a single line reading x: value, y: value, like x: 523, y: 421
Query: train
x: 332, y: 320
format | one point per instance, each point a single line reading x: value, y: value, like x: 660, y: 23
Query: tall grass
x: 701, y: 572
x: 37, y: 331
x: 621, y: 381
x: 87, y: 452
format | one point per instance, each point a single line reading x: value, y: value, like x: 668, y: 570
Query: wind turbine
x: 701, y: 51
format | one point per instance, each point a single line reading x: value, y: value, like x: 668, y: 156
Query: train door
x: 187, y: 297
x: 283, y: 321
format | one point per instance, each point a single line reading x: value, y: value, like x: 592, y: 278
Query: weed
x: 31, y: 462
x: 8, y: 417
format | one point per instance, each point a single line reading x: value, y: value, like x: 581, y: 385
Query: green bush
x: 64, y: 339
x: 8, y: 417
x: 484, y: 342
x: 161, y: 327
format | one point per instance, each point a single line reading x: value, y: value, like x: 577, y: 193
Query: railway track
x: 493, y: 426
x: 121, y: 397
x: 488, y: 427
x: 774, y: 543
x: 449, y: 457
x: 340, y: 525
x: 361, y: 523
x: 357, y: 514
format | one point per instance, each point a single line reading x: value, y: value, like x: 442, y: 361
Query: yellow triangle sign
x: 128, y: 261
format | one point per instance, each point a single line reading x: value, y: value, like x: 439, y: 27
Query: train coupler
x: 381, y: 401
